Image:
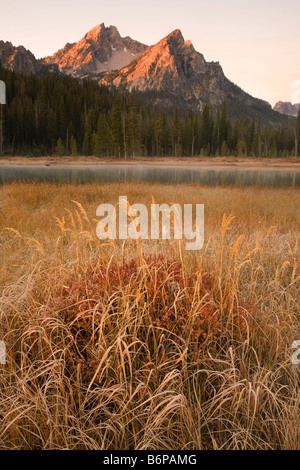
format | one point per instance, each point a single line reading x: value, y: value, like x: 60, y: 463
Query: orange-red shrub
x: 185, y: 309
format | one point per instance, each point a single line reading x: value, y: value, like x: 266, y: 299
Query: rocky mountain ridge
x: 287, y: 108
x: 172, y: 73
x: 101, y: 50
x: 18, y: 59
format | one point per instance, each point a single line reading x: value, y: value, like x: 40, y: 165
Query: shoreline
x: 292, y: 163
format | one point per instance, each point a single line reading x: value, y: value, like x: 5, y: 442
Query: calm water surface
x: 110, y: 173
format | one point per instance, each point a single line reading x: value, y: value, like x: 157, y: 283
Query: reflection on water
x: 81, y: 174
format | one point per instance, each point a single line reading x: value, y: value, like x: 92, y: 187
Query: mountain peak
x: 101, y: 50
x: 103, y: 33
x: 175, y: 37
x: 172, y: 73
x: 287, y: 108
x: 174, y: 44
x: 170, y: 60
x: 18, y: 58
x: 176, y: 33
x: 95, y: 33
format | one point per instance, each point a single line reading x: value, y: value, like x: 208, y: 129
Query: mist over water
x: 81, y: 174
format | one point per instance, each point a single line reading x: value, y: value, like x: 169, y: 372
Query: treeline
x: 64, y: 116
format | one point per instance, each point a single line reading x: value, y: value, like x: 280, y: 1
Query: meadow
x: 143, y: 345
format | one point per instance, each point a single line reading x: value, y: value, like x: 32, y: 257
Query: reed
x: 142, y: 345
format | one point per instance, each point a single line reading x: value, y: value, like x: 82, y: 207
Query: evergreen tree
x: 73, y: 146
x: 117, y: 126
x: 45, y: 114
x: 133, y: 128
x: 51, y: 129
x: 207, y: 129
x: 87, y: 146
x: 297, y: 135
x: 60, y: 149
x: 176, y: 134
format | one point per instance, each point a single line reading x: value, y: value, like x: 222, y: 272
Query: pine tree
x: 60, y: 149
x: 133, y: 129
x: 158, y: 133
x: 87, y: 143
x: 297, y: 134
x: 51, y: 128
x: 1, y: 129
x: 224, y: 128
x: 259, y: 140
x: 207, y: 128
x: 240, y: 148
x: 176, y: 134
x: 224, y: 149
x: 42, y: 110
x: 73, y: 146
x: 117, y: 126
x: 100, y: 138
x: 188, y: 135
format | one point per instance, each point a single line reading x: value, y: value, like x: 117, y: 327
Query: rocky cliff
x: 101, y: 50
x: 172, y: 73
x: 287, y: 108
x: 18, y: 59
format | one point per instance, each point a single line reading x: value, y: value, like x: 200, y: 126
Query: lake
x: 167, y: 174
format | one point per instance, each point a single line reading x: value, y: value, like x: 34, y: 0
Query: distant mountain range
x: 287, y: 108
x: 169, y: 74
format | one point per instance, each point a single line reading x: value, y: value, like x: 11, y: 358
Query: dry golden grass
x: 178, y: 350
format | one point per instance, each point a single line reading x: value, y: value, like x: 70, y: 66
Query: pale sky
x: 257, y: 42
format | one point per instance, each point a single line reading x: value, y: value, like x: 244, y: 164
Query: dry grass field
x: 143, y: 345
